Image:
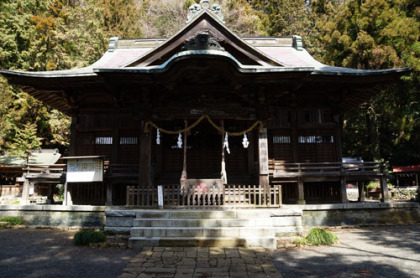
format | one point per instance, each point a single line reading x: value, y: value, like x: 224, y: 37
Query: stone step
x: 226, y: 222
x: 216, y: 214
x: 226, y: 242
x: 202, y: 232
x: 287, y: 231
x: 222, y: 228
x: 252, y: 222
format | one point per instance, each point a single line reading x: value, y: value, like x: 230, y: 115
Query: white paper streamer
x: 179, y: 141
x: 226, y: 143
x: 157, y: 137
x: 245, y: 141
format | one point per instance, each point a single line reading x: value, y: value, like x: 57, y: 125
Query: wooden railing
x: 206, y: 197
x: 325, y: 169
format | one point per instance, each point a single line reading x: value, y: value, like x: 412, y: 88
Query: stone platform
x: 183, y: 262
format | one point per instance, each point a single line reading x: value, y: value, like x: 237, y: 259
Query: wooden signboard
x: 263, y: 153
x: 85, y: 169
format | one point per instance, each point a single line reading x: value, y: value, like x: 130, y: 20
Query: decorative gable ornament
x: 195, y: 9
x: 202, y: 41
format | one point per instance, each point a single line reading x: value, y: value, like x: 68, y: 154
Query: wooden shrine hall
x: 213, y: 118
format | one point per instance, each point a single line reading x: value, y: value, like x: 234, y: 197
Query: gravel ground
x: 51, y: 253
x: 385, y: 251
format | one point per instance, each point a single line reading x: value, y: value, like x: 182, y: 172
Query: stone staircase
x: 221, y: 228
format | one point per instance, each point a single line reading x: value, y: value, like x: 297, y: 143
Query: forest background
x: 39, y: 35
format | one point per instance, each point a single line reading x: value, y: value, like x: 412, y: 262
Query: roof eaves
x: 49, y: 74
x: 339, y: 71
x: 209, y: 54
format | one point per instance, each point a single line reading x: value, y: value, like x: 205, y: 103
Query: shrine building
x: 221, y: 119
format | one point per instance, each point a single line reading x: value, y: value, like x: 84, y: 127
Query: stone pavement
x: 186, y: 262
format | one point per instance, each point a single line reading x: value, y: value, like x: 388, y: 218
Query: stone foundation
x: 356, y: 214
x: 57, y: 215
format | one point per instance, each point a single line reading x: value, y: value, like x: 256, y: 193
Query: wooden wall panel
x: 280, y: 144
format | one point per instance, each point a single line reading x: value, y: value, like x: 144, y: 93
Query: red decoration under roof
x: 409, y: 168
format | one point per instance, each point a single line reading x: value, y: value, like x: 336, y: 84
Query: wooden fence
x: 206, y: 197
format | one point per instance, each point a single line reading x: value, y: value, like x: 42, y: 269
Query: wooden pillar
x: 362, y: 193
x: 251, y: 161
x: 338, y: 134
x: 384, y: 188
x: 301, y: 192
x: 159, y: 155
x: 417, y: 179
x: 145, y: 161
x: 263, y: 159
x: 343, y: 190
x: 184, y: 158
x: 294, y: 136
x: 113, y: 160
x: 73, y: 136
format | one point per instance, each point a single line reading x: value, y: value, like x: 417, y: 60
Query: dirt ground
x: 51, y: 253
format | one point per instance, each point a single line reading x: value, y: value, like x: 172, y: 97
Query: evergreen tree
x: 377, y: 34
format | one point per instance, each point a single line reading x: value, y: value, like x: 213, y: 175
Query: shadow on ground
x: 369, y: 252
x: 51, y: 253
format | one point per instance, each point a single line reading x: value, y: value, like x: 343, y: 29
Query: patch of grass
x: 317, y: 236
x: 85, y: 237
x: 13, y: 221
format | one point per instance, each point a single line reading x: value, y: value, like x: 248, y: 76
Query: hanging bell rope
x: 222, y: 130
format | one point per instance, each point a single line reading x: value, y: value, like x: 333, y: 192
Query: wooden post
x: 263, y: 159
x: 362, y: 193
x: 343, y: 190
x: 109, y: 186
x: 25, y: 192
x: 301, y: 192
x: 384, y: 185
x: 417, y: 180
x: 384, y: 188
x: 67, y: 195
x: 145, y: 159
x: 50, y: 198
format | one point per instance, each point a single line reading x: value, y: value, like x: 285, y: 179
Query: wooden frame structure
x: 207, y: 70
